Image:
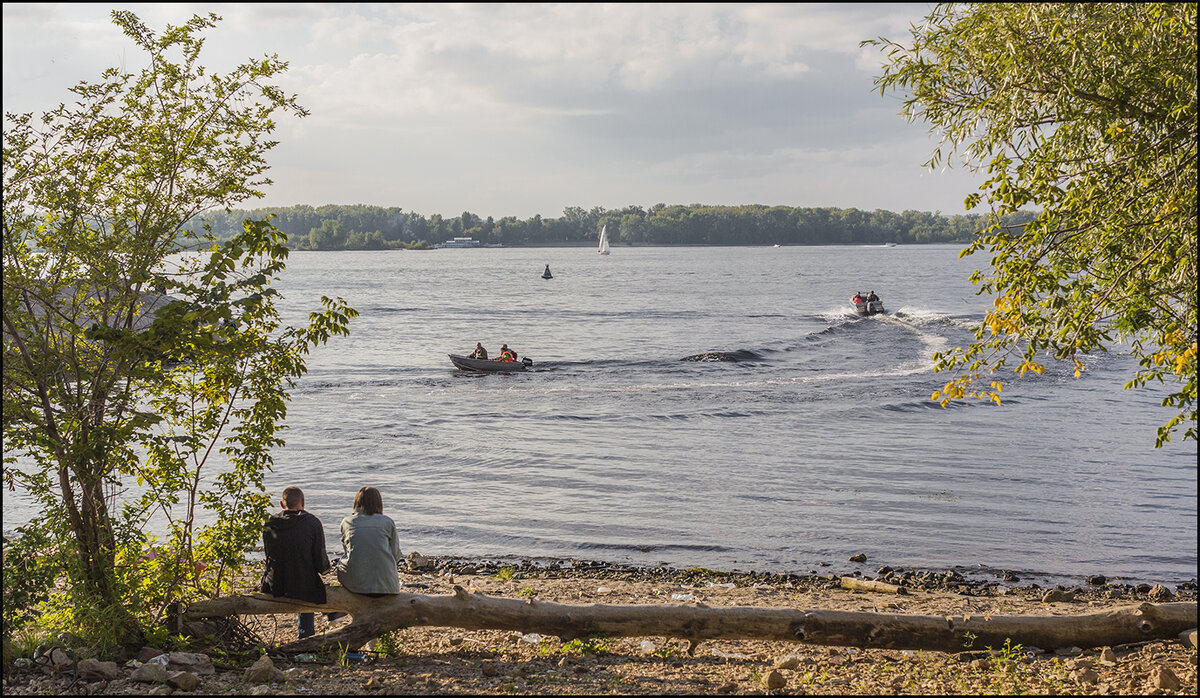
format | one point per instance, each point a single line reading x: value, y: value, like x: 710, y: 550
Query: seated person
x: 480, y: 352
x: 372, y: 548
x: 294, y: 544
x: 857, y: 297
x: 507, y: 354
x: 872, y: 298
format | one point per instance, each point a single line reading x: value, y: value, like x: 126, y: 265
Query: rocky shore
x: 453, y: 661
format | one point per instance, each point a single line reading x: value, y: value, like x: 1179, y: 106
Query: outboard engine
x: 527, y: 361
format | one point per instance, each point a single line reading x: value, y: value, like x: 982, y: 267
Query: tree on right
x: 1084, y: 113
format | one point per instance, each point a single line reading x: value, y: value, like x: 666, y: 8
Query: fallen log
x: 871, y: 585
x: 373, y: 617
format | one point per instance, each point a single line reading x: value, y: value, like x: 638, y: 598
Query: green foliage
x: 388, y: 644
x: 527, y: 592
x: 507, y: 574
x: 360, y: 227
x: 136, y: 351
x: 1085, y: 112
x: 31, y: 567
x: 593, y: 645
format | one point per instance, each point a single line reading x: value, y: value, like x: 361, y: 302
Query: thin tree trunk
x: 696, y: 622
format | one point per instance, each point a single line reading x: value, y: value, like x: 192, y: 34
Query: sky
x: 526, y: 109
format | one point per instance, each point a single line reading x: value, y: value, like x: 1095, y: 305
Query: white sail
x: 603, y: 241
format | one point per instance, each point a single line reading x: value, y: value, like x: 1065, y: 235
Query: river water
x: 819, y: 443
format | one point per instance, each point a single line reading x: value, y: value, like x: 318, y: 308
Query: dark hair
x: 368, y: 501
x: 293, y: 497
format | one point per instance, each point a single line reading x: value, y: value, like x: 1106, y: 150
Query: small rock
x: 1188, y: 637
x: 1108, y: 657
x: 262, y: 671
x: 1058, y: 596
x: 727, y: 687
x: 1096, y: 580
x: 488, y: 669
x: 184, y: 680
x: 1086, y: 676
x: 417, y: 561
x: 163, y: 690
x: 1159, y: 593
x: 194, y: 662
x: 981, y: 664
x: 150, y: 673
x: 1162, y: 677
x: 774, y: 681
x: 858, y: 558
x: 92, y: 669
x: 789, y: 662
x: 1068, y: 651
x: 60, y: 658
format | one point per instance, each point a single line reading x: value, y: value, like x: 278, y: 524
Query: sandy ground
x: 452, y: 661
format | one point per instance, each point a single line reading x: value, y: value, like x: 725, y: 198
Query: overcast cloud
x: 526, y: 109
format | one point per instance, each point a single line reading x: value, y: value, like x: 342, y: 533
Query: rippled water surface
x: 819, y: 443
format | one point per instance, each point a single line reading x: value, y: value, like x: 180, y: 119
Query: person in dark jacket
x: 480, y: 352
x: 294, y: 543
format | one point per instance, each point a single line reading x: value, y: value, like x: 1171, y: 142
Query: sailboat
x: 603, y: 241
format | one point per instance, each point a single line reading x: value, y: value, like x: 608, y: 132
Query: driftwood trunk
x: 372, y: 617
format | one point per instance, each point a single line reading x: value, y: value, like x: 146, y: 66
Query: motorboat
x: 466, y: 363
x: 867, y: 307
x: 459, y: 242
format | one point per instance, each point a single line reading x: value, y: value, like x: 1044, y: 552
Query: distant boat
x: 603, y: 241
x: 546, y: 274
x: 457, y: 243
x: 466, y: 363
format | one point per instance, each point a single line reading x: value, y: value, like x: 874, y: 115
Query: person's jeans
x: 306, y: 624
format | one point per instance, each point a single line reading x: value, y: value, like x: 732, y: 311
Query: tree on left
x: 146, y: 367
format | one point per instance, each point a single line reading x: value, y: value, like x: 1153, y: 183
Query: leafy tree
x: 1085, y: 112
x: 130, y: 360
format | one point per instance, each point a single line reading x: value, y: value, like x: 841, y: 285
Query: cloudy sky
x: 526, y: 109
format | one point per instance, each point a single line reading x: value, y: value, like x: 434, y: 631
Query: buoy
x: 546, y: 274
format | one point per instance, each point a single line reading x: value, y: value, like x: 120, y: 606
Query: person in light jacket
x: 372, y: 548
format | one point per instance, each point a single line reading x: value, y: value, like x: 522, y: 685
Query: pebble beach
x: 427, y: 660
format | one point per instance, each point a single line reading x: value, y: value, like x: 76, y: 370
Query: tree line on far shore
x: 363, y: 227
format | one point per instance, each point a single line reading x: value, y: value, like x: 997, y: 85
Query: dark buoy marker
x: 546, y: 274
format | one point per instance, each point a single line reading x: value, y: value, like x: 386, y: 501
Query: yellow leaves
x: 1030, y: 365
x: 1079, y: 368
x: 1186, y: 361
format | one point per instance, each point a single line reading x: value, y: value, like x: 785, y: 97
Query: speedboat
x: 867, y: 307
x: 466, y: 363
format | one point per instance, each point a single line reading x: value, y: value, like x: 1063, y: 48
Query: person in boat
x: 507, y: 354
x: 872, y: 298
x: 372, y: 548
x: 858, y: 298
x: 480, y: 352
